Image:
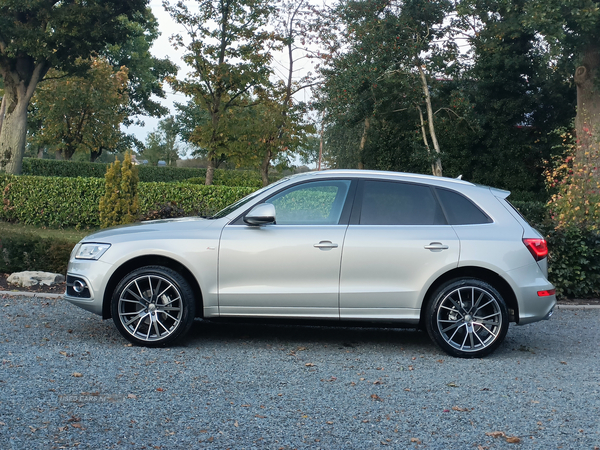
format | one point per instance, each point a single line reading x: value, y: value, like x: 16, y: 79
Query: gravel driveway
x: 69, y: 380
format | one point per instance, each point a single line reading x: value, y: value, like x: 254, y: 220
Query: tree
x: 228, y: 52
x: 514, y: 99
x: 285, y: 131
x: 571, y: 30
x: 385, y: 44
x: 147, y: 73
x: 80, y: 113
x: 36, y: 35
x: 161, y: 144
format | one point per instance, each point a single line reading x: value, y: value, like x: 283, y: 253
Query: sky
x: 162, y: 48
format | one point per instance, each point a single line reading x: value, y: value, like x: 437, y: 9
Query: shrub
x: 167, y: 210
x: 147, y: 174
x: 193, y: 199
x: 120, y: 203
x: 19, y: 252
x: 535, y: 212
x: 574, y: 261
x: 58, y: 168
x: 73, y: 202
x: 54, y: 202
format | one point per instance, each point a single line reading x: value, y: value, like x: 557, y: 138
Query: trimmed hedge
x: 148, y: 174
x: 73, y: 202
x: 20, y: 252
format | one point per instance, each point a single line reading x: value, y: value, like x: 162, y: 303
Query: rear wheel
x: 467, y: 318
x: 153, y: 306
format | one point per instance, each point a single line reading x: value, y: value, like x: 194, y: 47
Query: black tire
x: 467, y: 318
x: 153, y: 306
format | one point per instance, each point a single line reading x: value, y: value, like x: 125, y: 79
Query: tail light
x: 546, y: 293
x: 537, y: 247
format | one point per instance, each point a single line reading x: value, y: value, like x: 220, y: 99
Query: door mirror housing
x: 262, y: 214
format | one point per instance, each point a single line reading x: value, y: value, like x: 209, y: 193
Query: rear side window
x: 390, y: 203
x: 460, y: 210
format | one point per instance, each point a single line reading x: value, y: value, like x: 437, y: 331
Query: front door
x: 290, y: 268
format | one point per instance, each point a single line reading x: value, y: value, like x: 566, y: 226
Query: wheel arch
x: 489, y: 276
x: 150, y: 260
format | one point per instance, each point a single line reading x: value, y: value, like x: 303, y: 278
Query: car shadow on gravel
x: 270, y: 333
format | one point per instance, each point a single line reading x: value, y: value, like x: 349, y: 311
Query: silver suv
x: 443, y: 254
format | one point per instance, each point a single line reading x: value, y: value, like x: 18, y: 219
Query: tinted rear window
x: 390, y: 203
x: 460, y: 210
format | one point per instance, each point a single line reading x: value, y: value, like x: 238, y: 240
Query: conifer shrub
x: 120, y: 203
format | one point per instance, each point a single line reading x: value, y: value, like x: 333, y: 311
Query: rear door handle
x: 326, y: 244
x: 436, y: 246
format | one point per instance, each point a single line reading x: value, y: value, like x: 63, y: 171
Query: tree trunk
x: 2, y: 111
x: 425, y: 141
x: 20, y: 82
x: 95, y: 154
x: 264, y: 167
x: 587, y: 121
x: 363, y: 141
x: 13, y: 137
x: 437, y: 164
x: 210, y: 169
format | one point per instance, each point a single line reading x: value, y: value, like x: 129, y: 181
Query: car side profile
x: 446, y: 255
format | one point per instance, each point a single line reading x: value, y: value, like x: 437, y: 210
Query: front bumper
x: 94, y: 275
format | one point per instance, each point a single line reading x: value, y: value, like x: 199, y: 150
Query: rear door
x: 397, y: 242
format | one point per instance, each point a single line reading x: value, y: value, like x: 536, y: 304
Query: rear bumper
x: 533, y: 307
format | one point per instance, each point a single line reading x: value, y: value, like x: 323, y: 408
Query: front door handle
x: 326, y: 244
x: 436, y: 246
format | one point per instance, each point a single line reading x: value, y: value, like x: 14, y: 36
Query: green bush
x: 53, y: 202
x: 120, y: 203
x: 19, y: 252
x: 574, y: 261
x: 534, y: 212
x: 74, y: 202
x: 147, y: 174
x: 58, y: 168
x: 193, y: 199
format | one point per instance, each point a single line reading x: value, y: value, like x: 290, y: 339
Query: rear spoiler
x: 500, y: 193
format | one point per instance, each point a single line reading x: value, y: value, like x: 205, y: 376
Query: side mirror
x: 262, y: 214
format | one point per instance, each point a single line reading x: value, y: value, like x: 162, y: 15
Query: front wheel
x: 153, y: 306
x: 467, y: 318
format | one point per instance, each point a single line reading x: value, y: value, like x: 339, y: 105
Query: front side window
x: 315, y: 203
x: 391, y: 203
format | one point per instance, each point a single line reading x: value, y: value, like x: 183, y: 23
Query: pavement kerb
x: 4, y: 294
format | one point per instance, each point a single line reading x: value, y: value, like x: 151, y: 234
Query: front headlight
x: 91, y: 250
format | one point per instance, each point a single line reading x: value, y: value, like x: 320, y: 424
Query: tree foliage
x: 80, y: 113
x: 493, y: 104
x: 162, y: 143
x: 226, y: 46
x: 36, y: 35
x: 147, y: 73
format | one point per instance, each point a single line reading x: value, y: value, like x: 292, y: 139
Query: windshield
x: 229, y: 209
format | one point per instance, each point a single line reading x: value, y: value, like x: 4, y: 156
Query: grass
x: 68, y: 234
